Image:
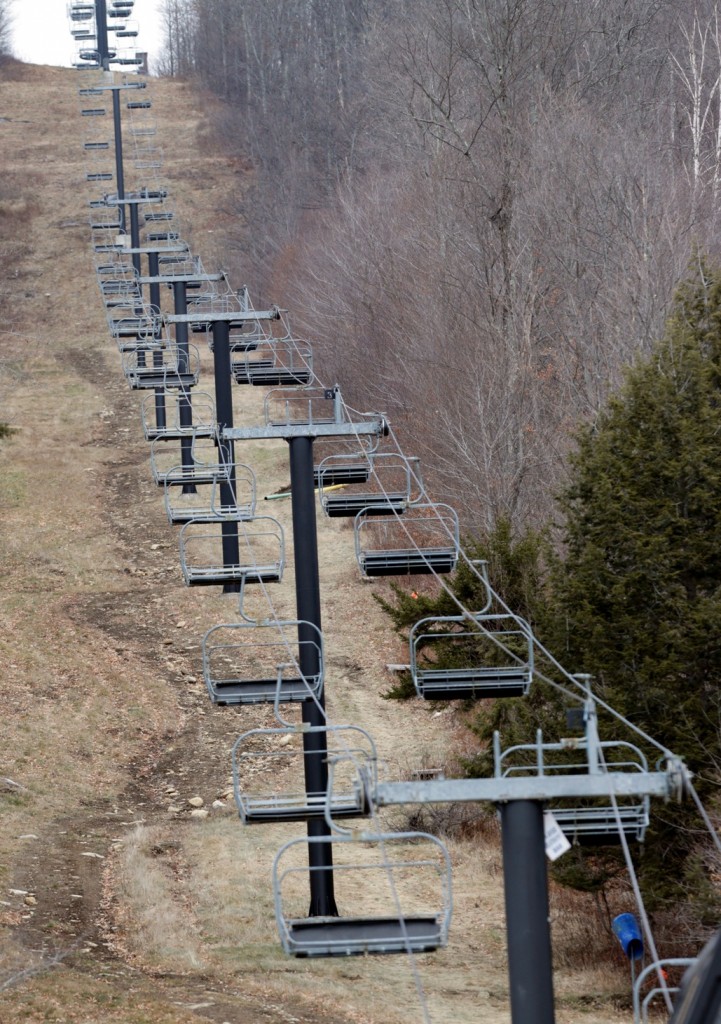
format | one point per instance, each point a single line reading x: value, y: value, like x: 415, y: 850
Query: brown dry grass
x: 145, y: 913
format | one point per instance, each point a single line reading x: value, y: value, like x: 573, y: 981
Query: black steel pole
x: 307, y: 593
x: 135, y: 235
x: 119, y: 170
x: 226, y: 448
x: 101, y: 32
x: 154, y: 294
x: 185, y: 408
x: 528, y: 929
x: 135, y: 256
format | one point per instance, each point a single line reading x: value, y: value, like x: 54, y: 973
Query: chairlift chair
x: 178, y: 369
x: 204, y: 422
x: 275, y: 362
x: 353, y: 465
x: 235, y: 550
x: 204, y: 465
x: 133, y: 326
x: 397, y: 886
x: 260, y: 663
x: 268, y: 774
x: 244, y: 339
x: 425, y: 540
x: 305, y: 406
x: 397, y: 478
x: 81, y: 12
x: 485, y: 656
x: 346, y: 471
x: 209, y: 502
x: 163, y: 236
x: 592, y: 822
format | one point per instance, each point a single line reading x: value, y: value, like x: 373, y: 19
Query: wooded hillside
x: 480, y: 210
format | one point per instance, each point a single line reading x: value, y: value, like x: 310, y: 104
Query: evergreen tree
x: 638, y: 591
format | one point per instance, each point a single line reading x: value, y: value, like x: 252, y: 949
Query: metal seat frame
x: 392, y: 932
x: 261, y: 529
x: 474, y: 680
x: 397, y: 476
x: 206, y: 504
x: 411, y: 559
x: 203, y: 425
x: 598, y: 823
x: 346, y: 741
x: 275, y: 362
x: 280, y: 681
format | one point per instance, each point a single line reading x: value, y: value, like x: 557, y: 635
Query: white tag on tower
x: 555, y: 840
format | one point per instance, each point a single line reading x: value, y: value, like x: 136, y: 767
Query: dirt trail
x: 115, y: 905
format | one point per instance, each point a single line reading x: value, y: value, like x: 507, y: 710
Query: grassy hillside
x: 117, y: 905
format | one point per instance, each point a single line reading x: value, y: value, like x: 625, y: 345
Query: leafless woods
x: 479, y: 209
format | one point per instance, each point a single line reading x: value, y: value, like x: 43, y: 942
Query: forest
x: 478, y: 210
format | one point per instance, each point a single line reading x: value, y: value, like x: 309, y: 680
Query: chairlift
x: 116, y: 285
x: 397, y: 481
x: 425, y: 540
x: 93, y: 112
x: 260, y: 663
x: 177, y: 369
x: 245, y: 338
x: 147, y: 162
x: 204, y: 420
x: 113, y: 225
x: 141, y: 326
x: 204, y: 464
x: 234, y: 550
x: 268, y: 774
x: 593, y: 822
x: 81, y: 12
x: 347, y: 470
x: 275, y: 362
x: 306, y: 406
x: 163, y: 236
x: 210, y: 501
x: 484, y: 655
x: 157, y: 215
x: 353, y: 465
x: 389, y: 879
x: 139, y: 104
x: 119, y: 299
